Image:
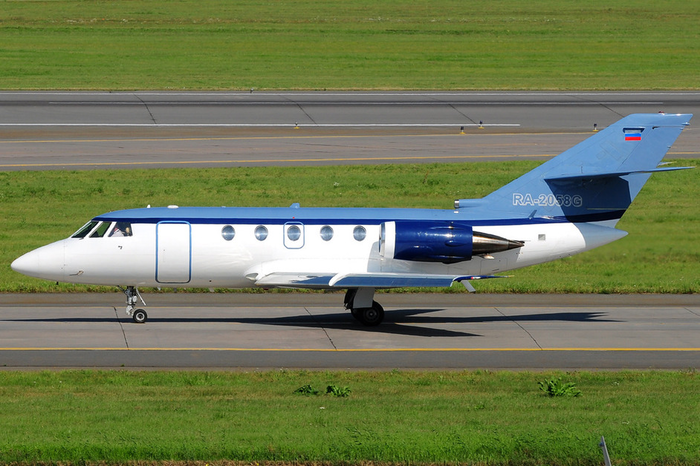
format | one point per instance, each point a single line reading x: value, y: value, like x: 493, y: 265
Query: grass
x: 78, y: 417
x: 81, y: 417
x: 334, y: 44
x: 660, y: 255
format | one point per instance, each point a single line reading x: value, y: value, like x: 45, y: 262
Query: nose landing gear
x: 139, y: 316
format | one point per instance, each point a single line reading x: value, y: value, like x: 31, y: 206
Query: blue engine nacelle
x: 426, y: 241
x: 446, y: 242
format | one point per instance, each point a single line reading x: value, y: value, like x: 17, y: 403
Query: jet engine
x: 446, y: 242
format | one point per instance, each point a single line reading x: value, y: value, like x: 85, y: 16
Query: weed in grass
x: 306, y: 390
x: 333, y: 390
x: 340, y: 392
x: 555, y: 387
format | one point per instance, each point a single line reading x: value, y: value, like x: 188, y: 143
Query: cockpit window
x: 100, y: 230
x: 87, y: 228
x: 121, y: 229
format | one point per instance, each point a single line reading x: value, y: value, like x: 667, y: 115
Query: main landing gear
x: 363, y: 307
x: 139, y: 316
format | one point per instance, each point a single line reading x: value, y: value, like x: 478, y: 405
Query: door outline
x: 174, y: 263
x: 298, y: 244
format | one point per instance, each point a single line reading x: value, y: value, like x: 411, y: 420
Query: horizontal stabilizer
x: 593, y: 175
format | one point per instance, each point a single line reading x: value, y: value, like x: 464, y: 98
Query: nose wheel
x: 139, y: 316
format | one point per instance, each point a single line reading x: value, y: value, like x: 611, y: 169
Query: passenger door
x: 173, y: 252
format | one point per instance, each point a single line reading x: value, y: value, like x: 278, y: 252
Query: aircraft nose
x: 47, y: 262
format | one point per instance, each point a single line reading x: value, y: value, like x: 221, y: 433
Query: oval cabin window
x: 228, y: 232
x: 359, y: 233
x: 261, y: 233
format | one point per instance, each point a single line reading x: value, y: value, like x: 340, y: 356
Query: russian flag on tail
x: 633, y: 134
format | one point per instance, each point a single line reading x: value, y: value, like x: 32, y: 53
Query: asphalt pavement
x: 312, y: 331
x: 124, y: 130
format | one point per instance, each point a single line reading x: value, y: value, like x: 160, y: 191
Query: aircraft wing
x: 392, y: 280
x: 292, y: 279
x: 365, y: 280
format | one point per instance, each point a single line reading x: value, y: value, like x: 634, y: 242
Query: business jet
x: 568, y: 205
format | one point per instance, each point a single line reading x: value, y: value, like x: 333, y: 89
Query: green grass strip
x: 660, y: 255
x: 501, y: 418
x: 336, y: 44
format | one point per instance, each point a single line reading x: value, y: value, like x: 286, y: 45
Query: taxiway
x: 313, y: 331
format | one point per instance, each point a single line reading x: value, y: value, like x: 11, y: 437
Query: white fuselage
x: 187, y: 254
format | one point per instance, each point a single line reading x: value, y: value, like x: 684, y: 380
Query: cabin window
x: 101, y: 230
x: 359, y: 233
x: 326, y: 233
x: 261, y: 233
x: 294, y: 233
x: 228, y: 232
x: 87, y: 228
x: 121, y: 229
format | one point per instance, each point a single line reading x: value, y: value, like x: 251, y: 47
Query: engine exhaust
x: 485, y: 243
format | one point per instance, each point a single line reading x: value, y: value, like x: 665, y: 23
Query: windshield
x: 87, y: 228
x: 101, y: 229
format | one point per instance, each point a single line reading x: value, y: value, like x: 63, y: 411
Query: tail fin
x: 597, y: 179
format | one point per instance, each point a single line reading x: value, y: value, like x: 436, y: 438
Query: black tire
x: 139, y: 316
x: 370, y: 316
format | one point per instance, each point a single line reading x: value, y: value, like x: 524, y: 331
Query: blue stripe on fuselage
x: 327, y: 216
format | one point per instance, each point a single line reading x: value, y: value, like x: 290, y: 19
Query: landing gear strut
x: 363, y: 307
x: 139, y: 316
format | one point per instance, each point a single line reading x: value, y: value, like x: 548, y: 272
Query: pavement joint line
x: 519, y: 325
x: 121, y: 326
x: 321, y: 326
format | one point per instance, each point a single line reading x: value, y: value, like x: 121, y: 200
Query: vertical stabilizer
x: 597, y: 179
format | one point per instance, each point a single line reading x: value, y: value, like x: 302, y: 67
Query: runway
x: 312, y: 331
x: 101, y: 130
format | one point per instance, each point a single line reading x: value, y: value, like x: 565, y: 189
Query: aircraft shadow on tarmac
x: 408, y: 322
